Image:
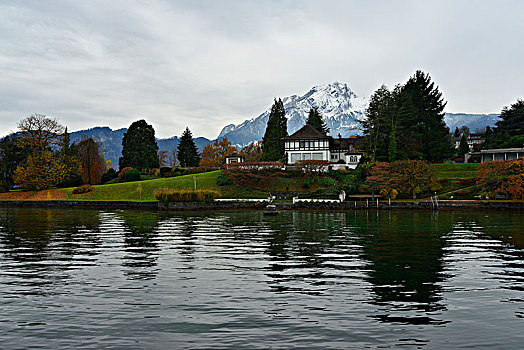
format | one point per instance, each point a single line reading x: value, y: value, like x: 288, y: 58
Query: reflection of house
x: 310, y: 144
x: 486, y: 155
x: 474, y: 140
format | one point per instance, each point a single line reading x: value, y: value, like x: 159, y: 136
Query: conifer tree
x: 139, y: 147
x: 488, y: 138
x: 316, y: 120
x: 424, y: 121
x: 414, y: 113
x: 272, y: 143
x: 187, y: 153
x: 463, y: 146
x: 512, y: 119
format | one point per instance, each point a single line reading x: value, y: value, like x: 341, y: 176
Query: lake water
x: 356, y: 279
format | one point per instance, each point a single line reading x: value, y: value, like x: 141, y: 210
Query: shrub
x: 132, y: 175
x: 123, y: 172
x: 223, y: 180
x: 164, y: 170
x: 327, y: 181
x: 72, y: 182
x: 82, y: 189
x: 168, y: 195
x: 109, y: 175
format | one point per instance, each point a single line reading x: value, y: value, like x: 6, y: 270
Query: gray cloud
x: 206, y: 64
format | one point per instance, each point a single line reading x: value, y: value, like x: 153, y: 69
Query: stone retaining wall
x: 223, y: 205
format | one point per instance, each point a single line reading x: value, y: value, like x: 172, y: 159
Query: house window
x: 295, y: 157
x: 318, y: 156
x: 306, y: 156
x: 334, y: 156
x: 353, y: 159
x: 302, y: 144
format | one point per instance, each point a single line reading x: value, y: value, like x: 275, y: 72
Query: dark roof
x: 307, y: 132
x: 353, y: 152
x: 341, y: 143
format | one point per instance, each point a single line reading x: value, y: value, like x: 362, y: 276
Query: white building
x: 310, y: 144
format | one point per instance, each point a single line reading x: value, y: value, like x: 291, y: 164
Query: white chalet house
x: 310, y: 144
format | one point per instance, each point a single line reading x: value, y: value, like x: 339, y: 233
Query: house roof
x: 307, y: 132
x: 353, y: 152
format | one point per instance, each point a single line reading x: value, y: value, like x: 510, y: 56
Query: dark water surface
x: 129, y: 279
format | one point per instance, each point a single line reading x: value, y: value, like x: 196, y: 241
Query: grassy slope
x: 129, y: 190
x: 456, y: 171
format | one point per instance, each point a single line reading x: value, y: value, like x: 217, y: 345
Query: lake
x: 311, y: 279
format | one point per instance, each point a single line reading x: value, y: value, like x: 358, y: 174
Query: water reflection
x: 405, y: 254
x: 140, y: 243
x: 41, y: 246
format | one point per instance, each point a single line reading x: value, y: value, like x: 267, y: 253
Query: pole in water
x: 367, y: 203
x: 194, y: 180
x: 377, y: 202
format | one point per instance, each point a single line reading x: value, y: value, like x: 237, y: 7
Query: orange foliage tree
x: 406, y: 176
x: 252, y: 152
x: 214, y: 155
x: 46, y: 164
x: 502, y: 177
x: 92, y: 161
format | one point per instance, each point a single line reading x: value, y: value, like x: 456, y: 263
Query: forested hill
x: 111, y: 141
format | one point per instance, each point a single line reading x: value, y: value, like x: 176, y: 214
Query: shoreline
x: 240, y: 205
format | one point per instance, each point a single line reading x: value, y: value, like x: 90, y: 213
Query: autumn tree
x: 502, y: 177
x: 92, y: 160
x: 44, y: 167
x: 163, y: 158
x: 252, y: 152
x: 187, y: 152
x: 406, y: 176
x: 139, y: 147
x: 214, y: 155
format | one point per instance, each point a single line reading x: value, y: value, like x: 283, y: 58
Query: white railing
x: 310, y: 200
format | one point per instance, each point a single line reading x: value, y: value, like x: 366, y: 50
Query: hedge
x: 168, y: 195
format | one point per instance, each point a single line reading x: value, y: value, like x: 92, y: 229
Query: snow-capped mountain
x: 341, y: 108
x: 472, y: 121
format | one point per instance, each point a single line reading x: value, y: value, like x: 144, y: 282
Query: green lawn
x: 456, y: 171
x: 129, y: 190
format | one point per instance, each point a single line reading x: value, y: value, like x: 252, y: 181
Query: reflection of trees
x: 506, y: 228
x: 46, y: 242
x: 298, y: 247
x: 140, y: 243
x: 405, y: 252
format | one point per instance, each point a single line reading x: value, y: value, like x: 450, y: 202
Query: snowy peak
x: 341, y: 107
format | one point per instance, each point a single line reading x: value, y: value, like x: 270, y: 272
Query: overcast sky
x: 206, y: 64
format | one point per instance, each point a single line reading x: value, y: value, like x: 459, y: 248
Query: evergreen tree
x: 272, y: 143
x: 392, y: 149
x: 12, y: 154
x: 424, y: 131
x: 414, y: 114
x: 488, y: 138
x: 316, y: 120
x: 380, y: 118
x: 187, y: 153
x: 457, y: 132
x: 463, y: 146
x: 512, y: 119
x: 139, y: 147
